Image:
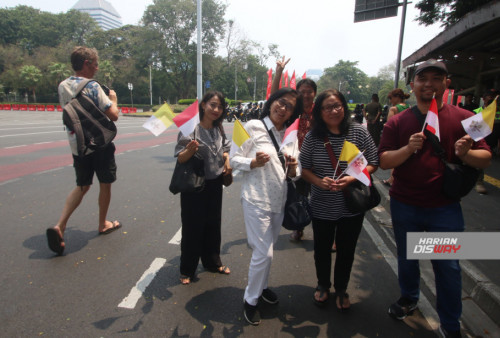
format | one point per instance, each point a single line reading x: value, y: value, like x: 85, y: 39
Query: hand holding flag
x: 290, y: 134
x: 481, y: 125
x: 431, y: 120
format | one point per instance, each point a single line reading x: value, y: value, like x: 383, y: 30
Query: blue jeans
x: 449, y: 218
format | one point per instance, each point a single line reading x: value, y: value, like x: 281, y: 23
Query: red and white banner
x: 286, y: 78
x: 304, y: 76
x: 293, y: 82
x: 269, y: 82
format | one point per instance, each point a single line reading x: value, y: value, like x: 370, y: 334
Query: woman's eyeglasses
x: 329, y: 108
x: 284, y: 103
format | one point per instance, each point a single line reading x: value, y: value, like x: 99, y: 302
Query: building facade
x: 101, y: 11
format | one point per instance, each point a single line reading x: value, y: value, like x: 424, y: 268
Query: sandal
x: 185, y: 280
x: 339, y: 299
x: 387, y: 182
x: 322, y: 293
x: 224, y: 270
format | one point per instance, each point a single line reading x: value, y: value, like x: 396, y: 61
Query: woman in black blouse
x: 331, y: 220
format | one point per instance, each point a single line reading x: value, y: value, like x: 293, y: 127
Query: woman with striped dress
x: 331, y: 220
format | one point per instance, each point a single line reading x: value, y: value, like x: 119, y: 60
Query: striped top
x: 330, y: 205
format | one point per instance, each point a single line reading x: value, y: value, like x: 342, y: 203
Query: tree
x: 106, y: 72
x: 30, y: 76
x: 175, y: 20
x: 58, y: 72
x: 347, y: 78
x: 447, y: 12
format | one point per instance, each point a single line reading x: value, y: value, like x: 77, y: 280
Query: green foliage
x: 186, y: 101
x: 348, y: 78
x: 30, y: 76
x: 447, y: 12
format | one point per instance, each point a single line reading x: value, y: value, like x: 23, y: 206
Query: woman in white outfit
x: 264, y: 189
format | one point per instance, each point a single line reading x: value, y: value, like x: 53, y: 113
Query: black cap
x: 431, y: 64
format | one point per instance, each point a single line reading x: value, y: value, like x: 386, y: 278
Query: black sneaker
x: 269, y: 296
x: 449, y: 334
x: 402, y: 308
x: 251, y: 314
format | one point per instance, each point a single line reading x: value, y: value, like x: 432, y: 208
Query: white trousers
x: 263, y: 228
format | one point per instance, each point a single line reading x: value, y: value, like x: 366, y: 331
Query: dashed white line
x: 137, y: 291
x: 177, y: 237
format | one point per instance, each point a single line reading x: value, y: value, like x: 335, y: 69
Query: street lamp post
x: 131, y: 88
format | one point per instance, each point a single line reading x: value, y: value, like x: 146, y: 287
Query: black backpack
x: 93, y: 129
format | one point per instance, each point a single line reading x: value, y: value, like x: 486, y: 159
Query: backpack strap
x: 82, y: 85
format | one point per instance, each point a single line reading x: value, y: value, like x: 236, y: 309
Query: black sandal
x: 322, y: 292
x: 340, y: 296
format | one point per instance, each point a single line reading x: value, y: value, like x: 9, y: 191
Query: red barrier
x: 15, y: 107
x: 51, y: 107
x: 24, y: 107
x: 59, y: 108
x: 6, y: 107
x: 40, y: 107
x: 31, y: 107
x: 124, y: 110
x: 133, y: 110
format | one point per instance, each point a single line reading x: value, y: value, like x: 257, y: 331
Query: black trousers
x: 201, y: 228
x: 345, y: 232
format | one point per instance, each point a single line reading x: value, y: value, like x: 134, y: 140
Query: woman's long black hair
x: 277, y: 95
x: 319, y: 129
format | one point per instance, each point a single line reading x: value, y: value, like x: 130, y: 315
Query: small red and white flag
x: 293, y: 82
x: 290, y: 134
x: 431, y: 120
x: 188, y: 119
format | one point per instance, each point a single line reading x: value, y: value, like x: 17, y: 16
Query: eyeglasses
x: 285, y: 104
x: 332, y: 107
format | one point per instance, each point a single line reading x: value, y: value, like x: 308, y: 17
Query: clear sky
x: 314, y: 33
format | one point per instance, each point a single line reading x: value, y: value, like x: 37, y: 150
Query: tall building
x: 101, y: 11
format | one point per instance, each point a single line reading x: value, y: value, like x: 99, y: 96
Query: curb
x: 484, y: 292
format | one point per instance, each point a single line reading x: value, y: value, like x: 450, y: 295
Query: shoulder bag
x: 227, y: 180
x: 358, y: 197
x: 297, y: 208
x: 458, y: 178
x: 189, y: 177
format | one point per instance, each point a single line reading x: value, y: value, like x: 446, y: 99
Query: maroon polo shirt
x: 419, y: 180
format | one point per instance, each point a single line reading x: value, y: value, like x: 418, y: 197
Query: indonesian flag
x: 290, y: 134
x: 269, y: 82
x: 459, y: 100
x: 481, y: 125
x: 160, y: 121
x: 431, y: 120
x: 445, y: 95
x: 304, y: 76
x: 356, y: 163
x: 188, y: 119
x: 286, y: 78
x: 293, y: 82
x: 240, y: 135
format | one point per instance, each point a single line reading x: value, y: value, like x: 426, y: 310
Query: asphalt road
x: 126, y: 283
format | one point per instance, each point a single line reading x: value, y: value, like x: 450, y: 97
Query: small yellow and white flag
x: 356, y: 163
x: 160, y: 121
x: 481, y: 125
x: 240, y: 135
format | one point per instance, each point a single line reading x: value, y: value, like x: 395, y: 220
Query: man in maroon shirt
x: 417, y: 201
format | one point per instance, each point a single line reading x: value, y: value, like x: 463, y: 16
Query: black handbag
x: 458, y: 179
x: 297, y: 208
x: 358, y: 197
x: 361, y: 198
x: 188, y: 177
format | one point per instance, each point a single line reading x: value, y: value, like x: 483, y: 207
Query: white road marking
x: 423, y: 303
x: 177, y: 238
x: 42, y: 132
x: 137, y: 291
